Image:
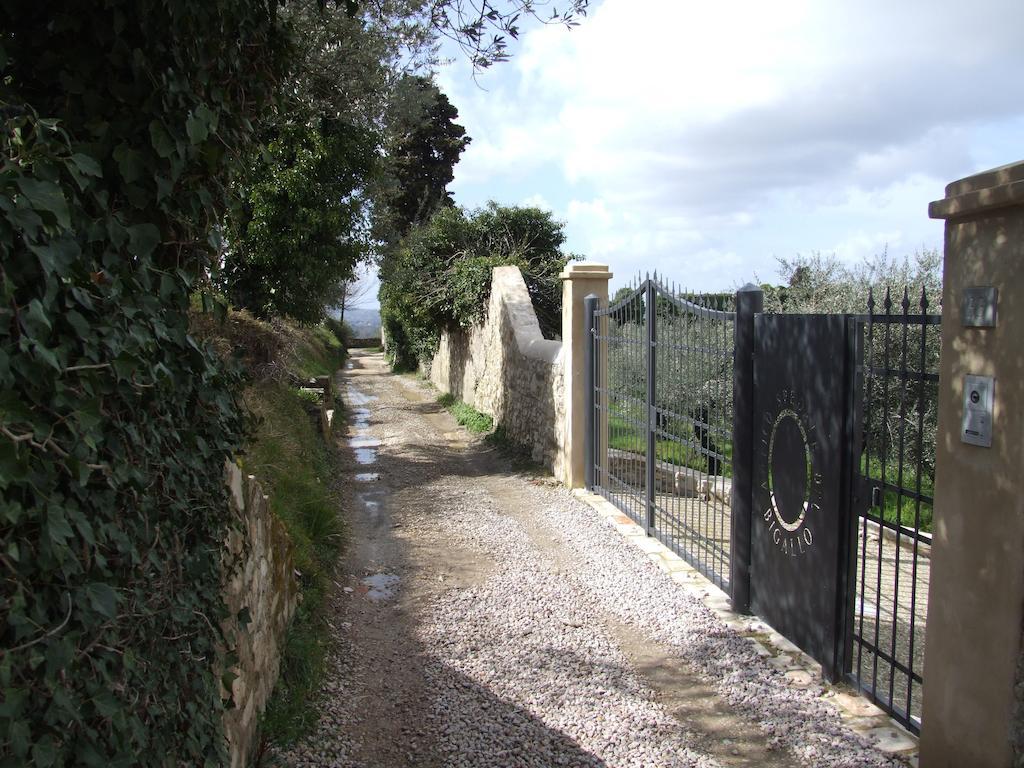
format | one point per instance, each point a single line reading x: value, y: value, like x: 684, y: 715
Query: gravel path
x: 486, y: 617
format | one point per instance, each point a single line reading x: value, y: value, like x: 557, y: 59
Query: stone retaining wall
x: 504, y: 367
x: 263, y: 582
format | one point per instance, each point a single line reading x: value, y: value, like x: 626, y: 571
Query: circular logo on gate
x: 790, y: 486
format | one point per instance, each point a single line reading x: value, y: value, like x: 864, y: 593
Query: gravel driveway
x: 486, y: 617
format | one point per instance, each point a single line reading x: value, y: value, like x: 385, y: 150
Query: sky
x: 706, y: 140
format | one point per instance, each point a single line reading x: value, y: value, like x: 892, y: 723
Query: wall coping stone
x: 577, y: 270
x: 515, y: 301
x: 996, y: 188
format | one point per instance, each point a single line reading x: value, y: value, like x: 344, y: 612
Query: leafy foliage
x: 424, y: 147
x: 482, y: 29
x: 123, y: 125
x: 441, y: 275
x: 902, y: 421
x: 120, y: 125
x: 297, y: 230
x: 820, y: 283
x: 465, y: 414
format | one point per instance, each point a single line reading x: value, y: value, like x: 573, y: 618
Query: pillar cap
x: 996, y: 188
x: 585, y: 270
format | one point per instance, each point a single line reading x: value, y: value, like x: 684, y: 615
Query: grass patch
x: 626, y: 436
x: 466, y: 415
x: 294, y: 465
x: 893, y: 508
x: 320, y: 353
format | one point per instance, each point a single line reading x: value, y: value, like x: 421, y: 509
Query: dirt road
x: 486, y: 617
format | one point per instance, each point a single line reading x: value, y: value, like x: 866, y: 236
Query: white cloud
x: 675, y: 128
x: 536, y: 200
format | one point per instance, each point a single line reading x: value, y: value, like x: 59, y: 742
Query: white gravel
x: 523, y: 668
x: 532, y: 635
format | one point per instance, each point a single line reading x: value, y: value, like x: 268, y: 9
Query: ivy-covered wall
x: 120, y: 123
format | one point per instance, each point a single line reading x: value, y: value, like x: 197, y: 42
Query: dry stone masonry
x: 504, y: 367
x: 261, y: 584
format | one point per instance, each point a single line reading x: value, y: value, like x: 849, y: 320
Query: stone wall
x: 504, y: 367
x: 262, y: 582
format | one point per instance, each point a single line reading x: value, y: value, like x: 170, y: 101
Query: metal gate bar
x: 895, y: 477
x: 671, y: 387
x: 663, y: 454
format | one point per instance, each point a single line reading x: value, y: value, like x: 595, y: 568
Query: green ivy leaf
x: 143, y: 239
x: 87, y: 165
x: 35, y: 321
x: 44, y: 752
x: 161, y: 139
x: 102, y: 598
x: 27, y: 219
x: 12, y: 703
x: 197, y: 129
x: 106, y: 703
x: 58, y: 528
x: 129, y: 162
x: 46, y: 196
x: 19, y: 737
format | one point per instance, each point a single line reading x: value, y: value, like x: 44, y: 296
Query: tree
x: 424, y: 145
x: 299, y: 226
x: 482, y: 29
x: 823, y: 283
x: 353, y: 292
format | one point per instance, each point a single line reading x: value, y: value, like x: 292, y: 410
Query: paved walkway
x: 485, y: 616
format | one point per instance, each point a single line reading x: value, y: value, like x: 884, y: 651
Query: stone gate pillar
x: 972, y: 697
x: 578, y: 280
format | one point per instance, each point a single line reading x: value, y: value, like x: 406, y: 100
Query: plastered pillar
x: 970, y: 711
x: 578, y: 280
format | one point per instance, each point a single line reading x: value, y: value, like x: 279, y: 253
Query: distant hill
x: 365, y: 323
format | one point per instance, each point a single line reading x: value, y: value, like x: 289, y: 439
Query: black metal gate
x: 662, y: 372
x: 789, y: 458
x: 894, y: 477
x: 805, y: 432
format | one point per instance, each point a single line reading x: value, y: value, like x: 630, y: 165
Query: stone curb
x: 855, y: 711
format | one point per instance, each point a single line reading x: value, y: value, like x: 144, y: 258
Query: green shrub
x: 440, y: 276
x: 466, y: 415
x: 340, y: 330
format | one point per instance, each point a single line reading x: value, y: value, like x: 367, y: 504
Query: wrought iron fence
x: 898, y: 389
x: 663, y: 373
x: 671, y: 387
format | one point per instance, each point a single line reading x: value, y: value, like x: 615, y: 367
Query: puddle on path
x: 355, y: 397
x: 371, y: 502
x: 367, y: 477
x: 366, y: 456
x: 382, y: 586
x: 363, y: 441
